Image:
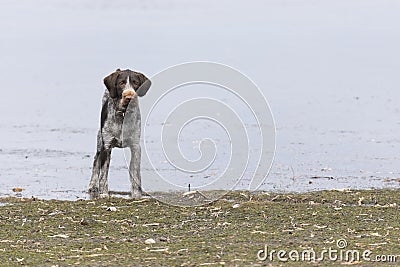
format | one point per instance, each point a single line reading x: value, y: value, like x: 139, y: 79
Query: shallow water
x: 330, y: 76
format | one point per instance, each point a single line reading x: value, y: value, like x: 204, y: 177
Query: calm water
x: 328, y: 69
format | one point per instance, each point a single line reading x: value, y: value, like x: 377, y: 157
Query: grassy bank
x: 90, y: 233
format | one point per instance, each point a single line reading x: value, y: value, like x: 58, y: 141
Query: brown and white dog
x: 120, y: 110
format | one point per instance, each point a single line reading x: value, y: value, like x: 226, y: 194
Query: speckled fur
x: 120, y: 127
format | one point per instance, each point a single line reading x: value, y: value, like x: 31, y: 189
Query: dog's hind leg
x: 134, y: 171
x: 105, y: 158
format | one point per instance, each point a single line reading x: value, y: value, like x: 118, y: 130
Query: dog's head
x: 126, y: 84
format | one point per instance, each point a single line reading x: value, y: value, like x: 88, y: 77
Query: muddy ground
x: 230, y: 231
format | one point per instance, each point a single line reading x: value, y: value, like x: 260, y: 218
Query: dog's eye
x: 122, y: 83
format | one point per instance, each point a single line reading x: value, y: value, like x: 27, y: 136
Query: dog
x: 120, y: 104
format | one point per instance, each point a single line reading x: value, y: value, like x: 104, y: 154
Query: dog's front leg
x: 105, y: 158
x: 94, y: 181
x: 134, y: 171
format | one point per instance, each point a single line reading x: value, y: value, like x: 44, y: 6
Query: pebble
x: 149, y: 241
x: 112, y: 209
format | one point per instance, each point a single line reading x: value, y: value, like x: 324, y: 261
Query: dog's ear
x: 111, y: 83
x: 145, y: 84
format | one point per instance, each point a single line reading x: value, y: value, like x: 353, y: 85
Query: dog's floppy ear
x: 111, y: 83
x: 145, y: 84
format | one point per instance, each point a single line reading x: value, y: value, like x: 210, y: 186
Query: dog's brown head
x: 125, y: 80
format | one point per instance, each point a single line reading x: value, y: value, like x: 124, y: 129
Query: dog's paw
x: 93, y: 192
x: 104, y: 195
x: 136, y: 194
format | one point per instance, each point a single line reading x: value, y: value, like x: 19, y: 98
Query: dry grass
x: 228, y: 232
